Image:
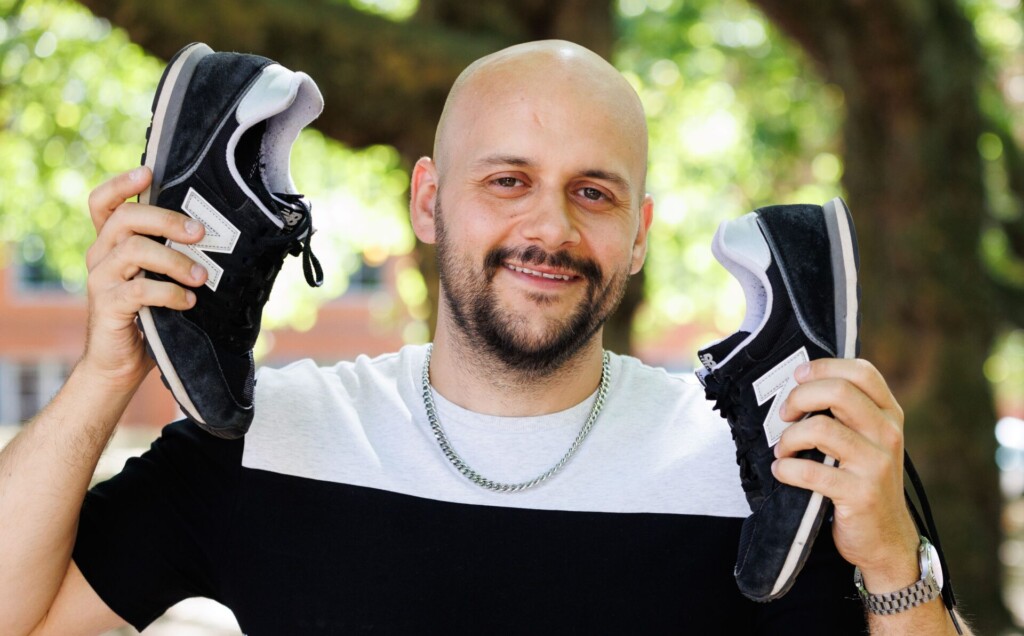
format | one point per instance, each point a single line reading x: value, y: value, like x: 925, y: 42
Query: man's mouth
x: 539, y: 274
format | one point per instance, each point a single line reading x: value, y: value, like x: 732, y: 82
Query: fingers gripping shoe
x: 798, y: 266
x: 219, y: 147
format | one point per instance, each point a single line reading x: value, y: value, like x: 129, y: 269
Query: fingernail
x: 197, y: 272
x: 136, y: 174
x: 802, y: 371
x: 776, y: 450
x: 190, y: 296
x: 192, y: 227
x: 775, y: 466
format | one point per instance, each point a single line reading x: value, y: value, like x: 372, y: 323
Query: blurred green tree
x: 911, y: 106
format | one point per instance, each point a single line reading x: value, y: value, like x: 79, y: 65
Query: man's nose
x: 552, y: 223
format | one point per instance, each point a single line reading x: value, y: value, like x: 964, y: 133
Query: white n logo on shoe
x: 777, y: 383
x: 221, y: 236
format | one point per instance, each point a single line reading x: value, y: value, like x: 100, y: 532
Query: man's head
x: 536, y: 201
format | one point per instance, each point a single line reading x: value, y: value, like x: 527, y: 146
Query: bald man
x: 510, y: 478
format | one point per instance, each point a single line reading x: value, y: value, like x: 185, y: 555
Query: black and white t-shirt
x: 338, y: 513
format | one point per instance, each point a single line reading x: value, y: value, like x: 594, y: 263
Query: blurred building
x: 43, y: 328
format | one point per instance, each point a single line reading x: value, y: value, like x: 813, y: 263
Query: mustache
x: 535, y: 255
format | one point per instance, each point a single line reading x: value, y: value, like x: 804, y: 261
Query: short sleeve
x: 160, y: 530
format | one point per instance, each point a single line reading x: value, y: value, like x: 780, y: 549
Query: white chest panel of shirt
x: 656, y: 447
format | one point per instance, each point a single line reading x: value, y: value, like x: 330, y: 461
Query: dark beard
x: 473, y: 304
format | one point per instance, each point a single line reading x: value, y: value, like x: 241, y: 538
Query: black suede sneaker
x: 797, y: 265
x: 219, y: 146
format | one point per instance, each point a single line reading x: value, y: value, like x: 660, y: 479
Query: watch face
x: 930, y: 563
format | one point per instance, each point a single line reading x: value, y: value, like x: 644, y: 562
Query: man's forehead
x: 548, y: 83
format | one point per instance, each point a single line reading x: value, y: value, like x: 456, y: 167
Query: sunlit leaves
x: 360, y: 215
x: 1005, y: 369
x: 999, y: 26
x: 75, y: 99
x: 737, y: 120
x: 397, y: 10
x: 74, y: 105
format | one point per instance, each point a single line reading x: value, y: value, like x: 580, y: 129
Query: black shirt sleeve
x: 160, y: 531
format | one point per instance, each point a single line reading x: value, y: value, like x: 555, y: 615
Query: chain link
x: 478, y: 479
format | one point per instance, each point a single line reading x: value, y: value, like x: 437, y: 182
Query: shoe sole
x: 845, y: 265
x: 166, y: 109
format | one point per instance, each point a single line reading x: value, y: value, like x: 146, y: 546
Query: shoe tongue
x: 274, y: 91
x: 713, y: 354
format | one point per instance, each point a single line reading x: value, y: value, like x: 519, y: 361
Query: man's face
x: 540, y: 219
x: 476, y: 304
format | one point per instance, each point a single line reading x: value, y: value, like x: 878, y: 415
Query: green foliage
x: 360, y: 214
x: 1005, y: 370
x: 999, y: 27
x: 737, y: 120
x: 74, y: 106
x: 75, y: 99
x: 397, y: 10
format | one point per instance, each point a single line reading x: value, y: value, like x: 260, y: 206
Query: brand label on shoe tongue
x: 777, y: 384
x: 708, y: 361
x: 290, y: 209
x: 292, y: 217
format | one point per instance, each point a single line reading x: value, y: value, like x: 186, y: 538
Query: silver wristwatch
x: 927, y: 588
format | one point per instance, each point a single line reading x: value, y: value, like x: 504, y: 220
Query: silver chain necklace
x: 480, y: 480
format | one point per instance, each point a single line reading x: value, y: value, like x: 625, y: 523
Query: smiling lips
x: 538, y: 274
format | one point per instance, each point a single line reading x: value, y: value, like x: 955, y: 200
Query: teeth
x: 531, y: 272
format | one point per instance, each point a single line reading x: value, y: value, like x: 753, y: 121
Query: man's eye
x: 592, y: 194
x: 507, y: 182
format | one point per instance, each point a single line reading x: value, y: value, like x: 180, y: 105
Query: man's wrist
x: 101, y: 379
x: 901, y: 572
x: 900, y: 567
x: 927, y: 586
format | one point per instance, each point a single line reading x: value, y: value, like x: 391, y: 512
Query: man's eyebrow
x: 504, y: 160
x: 522, y: 162
x: 605, y: 175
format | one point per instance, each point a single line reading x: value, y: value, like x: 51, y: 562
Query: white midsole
x: 173, y: 381
x: 802, y: 532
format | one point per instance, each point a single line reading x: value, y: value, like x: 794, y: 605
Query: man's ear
x: 640, y: 244
x: 422, y: 198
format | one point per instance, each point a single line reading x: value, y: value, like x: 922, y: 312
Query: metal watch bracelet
x: 889, y: 603
x: 928, y: 587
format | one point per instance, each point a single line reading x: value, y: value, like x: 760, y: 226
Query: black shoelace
x: 244, y: 311
x: 928, y: 529
x: 310, y: 264
x: 722, y: 392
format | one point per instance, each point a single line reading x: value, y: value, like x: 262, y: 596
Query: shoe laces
x: 926, y: 526
x: 243, y: 311
x: 723, y: 391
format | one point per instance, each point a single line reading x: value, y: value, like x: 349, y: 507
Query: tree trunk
x: 910, y: 72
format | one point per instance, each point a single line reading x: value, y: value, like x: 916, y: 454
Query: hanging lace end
x: 311, y: 268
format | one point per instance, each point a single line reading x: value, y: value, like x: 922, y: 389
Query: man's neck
x: 478, y: 382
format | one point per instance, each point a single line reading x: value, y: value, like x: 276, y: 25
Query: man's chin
x: 533, y: 348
